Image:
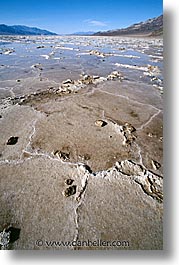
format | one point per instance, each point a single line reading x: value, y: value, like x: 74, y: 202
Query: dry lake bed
x: 81, y: 143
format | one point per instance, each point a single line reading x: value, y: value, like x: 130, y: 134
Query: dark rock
x: 69, y: 181
x: 70, y: 191
x: 40, y: 47
x: 156, y: 165
x: 87, y: 157
x: 12, y: 140
x: 88, y: 169
x: 62, y: 155
x: 14, y: 233
x: 100, y: 123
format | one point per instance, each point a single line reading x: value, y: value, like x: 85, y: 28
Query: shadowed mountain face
x: 22, y: 30
x: 151, y: 27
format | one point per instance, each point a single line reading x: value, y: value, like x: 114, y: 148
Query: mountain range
x: 83, y: 33
x: 150, y: 27
x: 22, y: 30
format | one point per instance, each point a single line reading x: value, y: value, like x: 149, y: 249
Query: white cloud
x: 95, y: 23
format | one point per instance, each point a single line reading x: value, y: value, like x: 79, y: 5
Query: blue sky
x: 68, y: 16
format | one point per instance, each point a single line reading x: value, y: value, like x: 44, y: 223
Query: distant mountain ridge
x: 23, y: 30
x: 150, y: 27
x: 82, y: 33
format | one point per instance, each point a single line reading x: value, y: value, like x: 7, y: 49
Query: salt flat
x: 88, y: 110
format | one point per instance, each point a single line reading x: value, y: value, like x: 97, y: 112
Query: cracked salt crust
x: 120, y: 192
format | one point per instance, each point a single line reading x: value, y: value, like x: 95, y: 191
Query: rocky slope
x: 151, y: 27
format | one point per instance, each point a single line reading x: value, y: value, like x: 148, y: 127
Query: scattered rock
x: 161, y: 139
x: 156, y: 165
x: 97, y: 53
x: 62, y: 155
x: 133, y: 114
x: 150, y: 134
x: 84, y: 157
x: 8, y: 236
x: 70, y: 191
x: 4, y: 239
x: 9, y: 51
x: 12, y: 140
x: 68, y: 86
x: 40, y: 47
x: 87, y: 79
x: 128, y: 132
x: 115, y: 75
x: 69, y: 181
x: 128, y: 127
x: 153, y: 69
x: 66, y: 89
x: 37, y: 66
x: 68, y: 81
x: 87, y: 168
x: 96, y: 77
x: 100, y: 123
